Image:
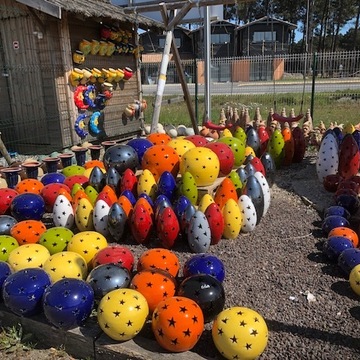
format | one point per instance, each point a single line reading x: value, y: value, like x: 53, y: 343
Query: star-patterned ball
x: 240, y: 333
x: 156, y: 285
x: 158, y: 258
x: 68, y: 303
x: 354, y: 279
x: 28, y: 256
x: 87, y: 244
x: 107, y: 277
x: 28, y: 231
x: 177, y: 323
x: 7, y: 244
x: 56, y: 239
x: 122, y: 313
x: 66, y: 264
x: 23, y: 291
x: 202, y: 163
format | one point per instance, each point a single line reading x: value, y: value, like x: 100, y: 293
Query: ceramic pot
x: 85, y: 47
x: 78, y: 57
x: 66, y: 159
x: 95, y: 47
x: 128, y: 73
x: 108, y: 144
x: 31, y: 169
x: 95, y: 151
x: 80, y: 155
x: 103, y: 48
x: 51, y: 164
x: 11, y: 175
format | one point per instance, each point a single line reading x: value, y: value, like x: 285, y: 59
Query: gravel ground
x: 277, y: 269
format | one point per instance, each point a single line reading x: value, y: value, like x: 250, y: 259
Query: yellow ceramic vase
x: 95, y: 75
x: 119, y: 75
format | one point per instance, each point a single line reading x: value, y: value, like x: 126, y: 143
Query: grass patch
x: 340, y: 106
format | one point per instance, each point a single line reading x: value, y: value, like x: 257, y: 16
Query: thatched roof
x: 103, y: 9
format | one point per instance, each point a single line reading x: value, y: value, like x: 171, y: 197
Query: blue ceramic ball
x: 333, y: 221
x: 335, y: 245
x: 337, y: 210
x: 27, y: 206
x: 204, y: 264
x: 23, y: 291
x: 5, y: 271
x: 51, y: 178
x: 348, y: 259
x: 68, y: 303
x: 140, y: 146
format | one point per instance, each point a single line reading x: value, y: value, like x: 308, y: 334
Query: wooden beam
x: 179, y: 4
x: 43, y: 6
x: 179, y: 16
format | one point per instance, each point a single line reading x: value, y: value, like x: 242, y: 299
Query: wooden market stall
x: 38, y: 42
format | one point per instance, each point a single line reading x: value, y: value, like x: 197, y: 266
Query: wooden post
x: 4, y: 151
x: 66, y: 54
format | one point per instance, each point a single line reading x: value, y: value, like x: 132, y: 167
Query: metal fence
x: 262, y: 68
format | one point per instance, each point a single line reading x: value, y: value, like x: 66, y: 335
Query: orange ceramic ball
x: 159, y: 258
x: 28, y: 231
x: 202, y: 163
x: 177, y: 323
x: 160, y: 158
x: 155, y: 285
x: 181, y: 145
x: 158, y: 138
x: 92, y: 163
x: 345, y: 232
x: 29, y: 186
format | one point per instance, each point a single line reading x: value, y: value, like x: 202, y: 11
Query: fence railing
x: 262, y: 68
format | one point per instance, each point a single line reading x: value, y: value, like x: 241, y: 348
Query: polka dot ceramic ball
x: 202, y: 163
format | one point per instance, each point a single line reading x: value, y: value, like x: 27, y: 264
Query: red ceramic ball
x: 197, y: 140
x: 50, y: 192
x: 70, y: 181
x: 331, y: 182
x: 225, y: 155
x: 6, y: 197
x: 114, y: 253
x: 160, y: 158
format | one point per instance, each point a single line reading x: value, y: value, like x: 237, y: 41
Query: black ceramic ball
x: 121, y: 157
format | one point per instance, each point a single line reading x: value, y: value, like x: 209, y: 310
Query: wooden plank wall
x: 24, y: 79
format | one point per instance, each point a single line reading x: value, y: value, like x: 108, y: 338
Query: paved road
x: 257, y: 88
